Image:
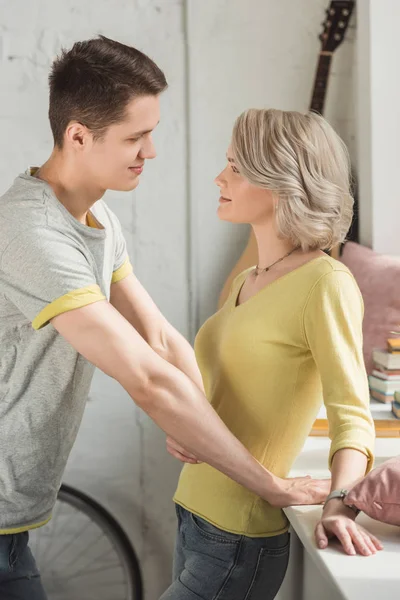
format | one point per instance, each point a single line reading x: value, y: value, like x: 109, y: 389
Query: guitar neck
x: 321, y: 82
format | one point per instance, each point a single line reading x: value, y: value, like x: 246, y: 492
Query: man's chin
x: 127, y: 187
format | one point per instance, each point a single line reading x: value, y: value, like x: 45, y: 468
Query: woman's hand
x: 338, y: 521
x: 299, y: 490
x: 179, y: 452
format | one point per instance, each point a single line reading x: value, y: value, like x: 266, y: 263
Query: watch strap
x: 341, y: 494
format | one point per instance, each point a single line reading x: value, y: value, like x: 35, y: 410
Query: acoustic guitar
x: 334, y: 28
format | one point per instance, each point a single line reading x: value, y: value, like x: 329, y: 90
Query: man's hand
x: 287, y: 492
x: 299, y: 490
x: 338, y: 521
x: 179, y: 452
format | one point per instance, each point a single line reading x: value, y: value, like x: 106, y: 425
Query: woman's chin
x: 224, y: 214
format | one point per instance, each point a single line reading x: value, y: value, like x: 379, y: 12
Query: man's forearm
x: 133, y: 302
x: 178, y: 352
x: 181, y: 410
x: 170, y: 398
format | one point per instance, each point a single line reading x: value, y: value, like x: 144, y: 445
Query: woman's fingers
x: 369, y: 543
x: 320, y: 536
x: 353, y: 537
x: 360, y: 541
x: 345, y: 539
x: 376, y: 544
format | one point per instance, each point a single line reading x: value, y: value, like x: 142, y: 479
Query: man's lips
x: 137, y: 169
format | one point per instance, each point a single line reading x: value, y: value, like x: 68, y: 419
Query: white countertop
x: 356, y: 577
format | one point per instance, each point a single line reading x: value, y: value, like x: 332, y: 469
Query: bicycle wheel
x: 84, y: 554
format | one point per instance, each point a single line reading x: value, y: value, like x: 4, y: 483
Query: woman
x: 289, y: 335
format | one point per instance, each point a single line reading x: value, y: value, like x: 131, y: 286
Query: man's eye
x: 134, y: 139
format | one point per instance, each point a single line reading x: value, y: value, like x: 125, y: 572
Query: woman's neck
x: 270, y: 246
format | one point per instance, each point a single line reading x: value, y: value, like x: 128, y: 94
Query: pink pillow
x: 378, y: 277
x: 378, y: 494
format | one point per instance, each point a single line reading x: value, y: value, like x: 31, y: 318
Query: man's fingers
x: 320, y: 536
x: 175, y: 446
x: 323, y: 492
x: 181, y: 456
x: 177, y: 451
x: 319, y: 490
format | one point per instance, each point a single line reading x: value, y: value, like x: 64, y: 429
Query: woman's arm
x: 338, y: 520
x: 333, y: 328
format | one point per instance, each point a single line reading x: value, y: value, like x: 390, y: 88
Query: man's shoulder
x: 25, y: 209
x: 22, y: 207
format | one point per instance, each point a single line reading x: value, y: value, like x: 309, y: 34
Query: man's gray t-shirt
x: 49, y: 263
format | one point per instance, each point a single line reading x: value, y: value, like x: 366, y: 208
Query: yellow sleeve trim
x: 364, y: 448
x: 22, y: 529
x: 124, y: 270
x: 71, y: 301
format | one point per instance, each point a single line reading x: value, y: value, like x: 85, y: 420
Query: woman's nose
x: 219, y: 181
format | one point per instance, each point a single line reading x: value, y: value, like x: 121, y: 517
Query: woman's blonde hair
x: 301, y: 159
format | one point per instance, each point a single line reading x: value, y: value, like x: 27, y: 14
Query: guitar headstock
x: 335, y: 24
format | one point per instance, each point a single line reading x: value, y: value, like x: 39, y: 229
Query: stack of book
x: 385, y: 378
x: 396, y: 405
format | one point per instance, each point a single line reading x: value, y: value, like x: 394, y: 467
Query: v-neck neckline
x: 269, y: 285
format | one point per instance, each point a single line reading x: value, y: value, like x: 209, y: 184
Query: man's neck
x: 69, y: 185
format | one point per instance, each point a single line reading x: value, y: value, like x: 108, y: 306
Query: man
x: 69, y: 302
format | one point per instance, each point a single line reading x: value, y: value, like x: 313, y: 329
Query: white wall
x: 379, y: 124
x: 240, y: 54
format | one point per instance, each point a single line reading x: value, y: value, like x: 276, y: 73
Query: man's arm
x: 105, y: 338
x: 132, y: 301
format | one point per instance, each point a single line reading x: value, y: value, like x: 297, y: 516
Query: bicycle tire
x: 112, y: 528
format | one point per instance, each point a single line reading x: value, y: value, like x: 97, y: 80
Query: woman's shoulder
x: 328, y: 268
x: 330, y: 276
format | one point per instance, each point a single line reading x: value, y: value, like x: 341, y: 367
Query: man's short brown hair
x: 94, y: 81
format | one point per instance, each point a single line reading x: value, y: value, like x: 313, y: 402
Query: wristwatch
x: 341, y: 494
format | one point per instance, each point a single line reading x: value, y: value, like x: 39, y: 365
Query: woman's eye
x: 235, y: 169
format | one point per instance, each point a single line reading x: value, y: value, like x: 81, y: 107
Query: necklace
x: 258, y: 270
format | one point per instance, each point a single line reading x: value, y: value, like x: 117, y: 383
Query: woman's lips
x: 224, y: 200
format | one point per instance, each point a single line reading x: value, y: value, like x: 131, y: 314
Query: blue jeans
x: 211, y: 564
x: 19, y: 576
